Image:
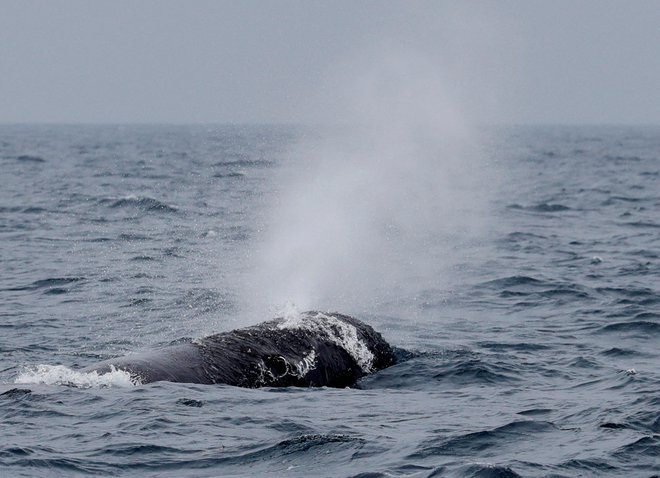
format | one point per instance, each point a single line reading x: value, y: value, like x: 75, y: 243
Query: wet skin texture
x: 332, y: 350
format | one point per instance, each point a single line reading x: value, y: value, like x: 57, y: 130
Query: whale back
x: 312, y: 349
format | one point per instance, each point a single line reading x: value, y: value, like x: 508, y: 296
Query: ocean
x: 525, y: 285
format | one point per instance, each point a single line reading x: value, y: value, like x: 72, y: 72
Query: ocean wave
x: 646, y: 421
x: 132, y: 237
x: 513, y: 281
x: 233, y: 174
x: 532, y: 412
x: 523, y: 244
x: 144, y: 203
x: 644, y: 446
x: 34, y: 210
x: 138, y: 449
x: 638, y: 327
x: 631, y: 295
x: 620, y: 352
x: 16, y: 393
x: 190, y: 402
x: 244, y: 163
x: 143, y: 258
x: 203, y: 300
x: 50, y: 284
x: 524, y: 286
x: 475, y: 371
x: 594, y: 466
x: 478, y: 470
x: 305, y: 443
x: 46, y: 461
x: 643, y: 224
x: 543, y: 207
x: 622, y: 158
x: 477, y: 442
x: 29, y: 158
x: 513, y: 346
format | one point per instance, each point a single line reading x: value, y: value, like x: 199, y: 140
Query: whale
x: 309, y: 349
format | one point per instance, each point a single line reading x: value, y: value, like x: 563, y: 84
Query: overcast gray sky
x: 79, y: 61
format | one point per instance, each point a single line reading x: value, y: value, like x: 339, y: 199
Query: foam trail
x: 61, y: 375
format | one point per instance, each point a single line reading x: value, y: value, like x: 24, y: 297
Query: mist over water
x: 359, y: 211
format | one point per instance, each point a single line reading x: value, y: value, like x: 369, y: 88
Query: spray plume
x: 372, y: 210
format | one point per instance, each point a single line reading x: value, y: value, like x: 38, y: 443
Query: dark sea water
x: 537, y: 355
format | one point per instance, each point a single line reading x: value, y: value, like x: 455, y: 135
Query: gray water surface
x: 541, y: 359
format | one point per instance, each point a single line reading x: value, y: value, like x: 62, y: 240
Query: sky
x: 284, y: 61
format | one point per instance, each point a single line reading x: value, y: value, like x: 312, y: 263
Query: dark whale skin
x: 312, y: 350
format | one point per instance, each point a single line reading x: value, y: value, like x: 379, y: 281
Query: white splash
x: 61, y: 375
x: 289, y: 311
x: 336, y: 331
x: 307, y: 364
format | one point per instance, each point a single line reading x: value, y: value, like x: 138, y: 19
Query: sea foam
x: 61, y: 375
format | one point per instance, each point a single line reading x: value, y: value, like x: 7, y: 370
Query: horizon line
x: 312, y: 124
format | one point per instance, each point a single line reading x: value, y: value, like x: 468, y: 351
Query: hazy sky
x: 593, y: 61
